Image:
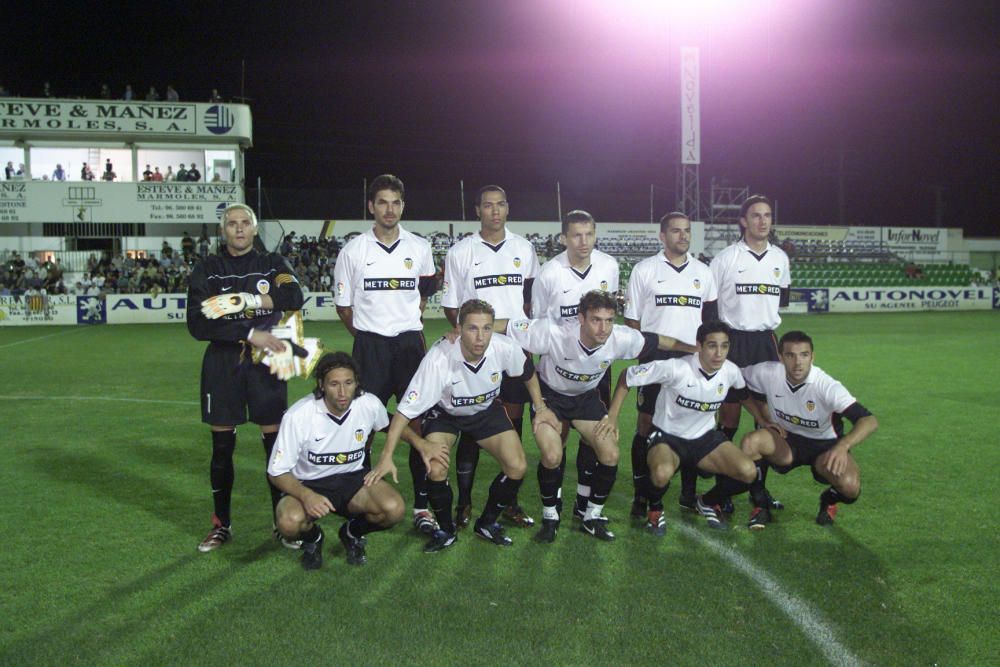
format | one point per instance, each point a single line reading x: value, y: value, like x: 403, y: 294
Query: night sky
x: 525, y: 94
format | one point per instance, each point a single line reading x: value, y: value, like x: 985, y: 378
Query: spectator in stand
x: 152, y: 95
x: 182, y: 173
x: 85, y: 173
x: 215, y: 97
x: 147, y: 175
x: 20, y: 171
x: 172, y: 95
x: 47, y: 90
x: 187, y: 247
x: 109, y: 176
x: 129, y: 95
x: 170, y: 175
x: 59, y: 174
x: 108, y: 167
x: 193, y: 173
x: 157, y: 176
x: 105, y: 91
x: 204, y: 245
x: 166, y: 252
x: 217, y: 177
x: 10, y: 171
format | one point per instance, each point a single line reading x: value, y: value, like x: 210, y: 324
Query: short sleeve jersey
x: 689, y: 397
x: 475, y: 269
x: 750, y: 286
x: 458, y: 387
x: 806, y: 409
x: 566, y: 365
x: 666, y: 299
x: 557, y: 291
x: 381, y: 282
x: 312, y: 443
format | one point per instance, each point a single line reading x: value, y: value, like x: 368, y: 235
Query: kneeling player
x: 575, y: 357
x: 807, y: 407
x: 318, y: 463
x: 692, y: 391
x: 456, y: 385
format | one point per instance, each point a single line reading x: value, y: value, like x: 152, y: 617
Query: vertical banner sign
x: 690, y: 111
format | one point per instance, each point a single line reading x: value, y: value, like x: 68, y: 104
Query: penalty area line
x: 97, y: 398
x: 798, y: 611
x: 32, y: 340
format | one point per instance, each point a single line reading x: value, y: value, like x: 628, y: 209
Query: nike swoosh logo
x: 567, y: 291
x: 740, y: 270
x: 226, y: 289
x: 456, y: 382
x: 690, y: 385
x: 318, y: 439
x: 661, y: 281
x: 567, y: 359
x: 476, y: 263
x: 779, y: 395
x: 370, y: 263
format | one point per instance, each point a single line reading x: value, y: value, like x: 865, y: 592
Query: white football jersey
x: 475, y: 269
x: 556, y: 292
x: 381, y: 282
x: 566, y: 365
x: 806, y: 409
x: 312, y: 443
x: 689, y: 397
x: 750, y: 286
x: 667, y: 299
x: 447, y: 380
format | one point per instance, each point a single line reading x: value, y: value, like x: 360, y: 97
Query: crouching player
x: 692, y: 389
x: 807, y: 408
x: 457, y: 385
x: 317, y: 463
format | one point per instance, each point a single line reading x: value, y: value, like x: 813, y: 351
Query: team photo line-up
x: 703, y: 336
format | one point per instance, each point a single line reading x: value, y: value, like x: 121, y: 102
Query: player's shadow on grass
x: 854, y: 587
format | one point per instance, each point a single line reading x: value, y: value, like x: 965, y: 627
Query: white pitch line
x: 800, y: 612
x: 32, y: 340
x: 96, y: 398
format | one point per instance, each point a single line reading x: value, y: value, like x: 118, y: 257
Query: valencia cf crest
x: 517, y: 262
x: 777, y: 272
x: 810, y: 406
x: 408, y: 263
x: 604, y: 364
x: 359, y: 435
x: 697, y: 284
x: 494, y: 378
x: 604, y: 285
x: 719, y: 390
x: 263, y: 287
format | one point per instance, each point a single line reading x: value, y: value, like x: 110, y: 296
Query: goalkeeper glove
x: 282, y: 364
x: 218, y: 306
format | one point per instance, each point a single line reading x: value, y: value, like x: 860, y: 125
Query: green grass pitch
x: 105, y: 488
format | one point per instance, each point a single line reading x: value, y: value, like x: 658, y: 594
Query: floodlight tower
x: 690, y: 144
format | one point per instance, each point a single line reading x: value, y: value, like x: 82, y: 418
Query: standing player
x: 456, y: 385
x: 383, y: 278
x: 807, y: 408
x: 753, y: 278
x: 691, y: 392
x: 671, y: 294
x: 575, y: 359
x: 318, y: 464
x: 498, y: 267
x: 233, y: 299
x: 562, y: 282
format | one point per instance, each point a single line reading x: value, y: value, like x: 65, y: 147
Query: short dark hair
x: 329, y: 362
x: 755, y: 199
x: 577, y: 215
x: 711, y: 327
x: 474, y: 307
x: 794, y: 337
x: 595, y: 299
x: 385, y: 182
x: 489, y: 188
x: 673, y: 215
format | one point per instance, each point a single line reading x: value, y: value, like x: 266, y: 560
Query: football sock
x: 730, y: 431
x: 311, y: 535
x: 466, y: 460
x: 359, y: 526
x: 518, y: 423
x: 502, y: 491
x: 549, y: 481
x: 725, y: 487
x: 586, y: 463
x: 418, y: 472
x: 269, y: 439
x: 640, y: 467
x: 221, y: 473
x: 439, y: 496
x: 604, y: 480
x: 757, y: 491
x: 689, y: 481
x: 656, y: 494
x: 832, y: 496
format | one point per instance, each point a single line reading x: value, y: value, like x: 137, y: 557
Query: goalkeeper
x: 234, y: 298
